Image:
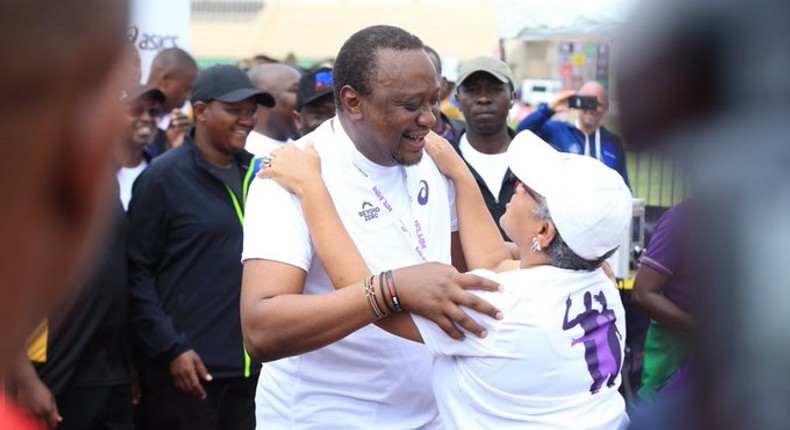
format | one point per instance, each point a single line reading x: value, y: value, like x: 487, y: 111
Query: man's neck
x: 129, y: 155
x: 270, y: 132
x: 359, y: 140
x: 586, y: 129
x: 495, y: 143
x: 210, y: 152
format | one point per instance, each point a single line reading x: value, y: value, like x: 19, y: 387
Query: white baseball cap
x: 589, y: 203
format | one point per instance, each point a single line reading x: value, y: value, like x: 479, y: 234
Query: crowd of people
x: 319, y: 248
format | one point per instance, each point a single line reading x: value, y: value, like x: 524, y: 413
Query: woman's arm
x: 481, y: 241
x: 420, y: 288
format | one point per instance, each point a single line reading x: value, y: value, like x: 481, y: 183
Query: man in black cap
x: 185, y: 222
x: 315, y: 101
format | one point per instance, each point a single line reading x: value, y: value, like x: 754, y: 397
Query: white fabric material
x: 529, y: 372
x: 126, y: 177
x: 260, y: 145
x: 589, y: 203
x: 491, y: 167
x: 370, y: 379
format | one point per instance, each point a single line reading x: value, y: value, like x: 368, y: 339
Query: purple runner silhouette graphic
x: 601, y: 340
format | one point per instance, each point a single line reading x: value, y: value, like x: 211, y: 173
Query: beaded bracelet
x: 393, y: 290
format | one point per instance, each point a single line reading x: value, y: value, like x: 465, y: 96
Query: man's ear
x: 352, y: 103
x: 199, y: 109
x: 296, y: 117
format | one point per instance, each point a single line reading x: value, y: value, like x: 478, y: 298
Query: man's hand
x: 560, y: 104
x: 186, y: 370
x: 37, y: 399
x: 178, y: 129
x: 436, y: 291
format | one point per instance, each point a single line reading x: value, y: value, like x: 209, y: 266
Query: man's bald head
x: 281, y: 81
x: 173, y: 71
x: 269, y: 77
x: 594, y: 88
x: 59, y: 115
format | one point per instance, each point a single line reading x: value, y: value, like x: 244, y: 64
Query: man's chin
x: 408, y: 160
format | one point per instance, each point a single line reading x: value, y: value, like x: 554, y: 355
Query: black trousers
x: 96, y: 408
x: 230, y: 405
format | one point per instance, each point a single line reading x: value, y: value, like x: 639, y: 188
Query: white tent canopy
x: 560, y: 19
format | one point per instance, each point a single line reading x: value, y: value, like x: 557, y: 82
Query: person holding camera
x: 587, y: 135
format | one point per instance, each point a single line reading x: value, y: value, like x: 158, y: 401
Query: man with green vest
x: 185, y: 226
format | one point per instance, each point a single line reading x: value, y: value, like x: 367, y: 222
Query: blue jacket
x: 567, y: 138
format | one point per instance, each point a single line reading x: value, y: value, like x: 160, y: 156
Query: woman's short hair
x: 560, y: 254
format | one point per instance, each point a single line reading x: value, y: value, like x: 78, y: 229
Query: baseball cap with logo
x: 228, y: 84
x: 589, y: 203
x: 314, y: 85
x: 490, y: 65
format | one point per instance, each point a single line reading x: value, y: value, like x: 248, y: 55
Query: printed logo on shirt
x: 601, y: 340
x: 575, y: 148
x: 369, y: 212
x: 422, y: 196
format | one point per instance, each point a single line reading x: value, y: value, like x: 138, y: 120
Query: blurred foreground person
x: 706, y: 81
x: 56, y: 174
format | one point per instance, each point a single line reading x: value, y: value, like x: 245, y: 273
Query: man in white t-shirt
x: 143, y: 105
x: 485, y: 96
x: 327, y: 367
x: 275, y: 125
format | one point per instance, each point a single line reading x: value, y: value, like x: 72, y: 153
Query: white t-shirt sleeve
x: 441, y: 344
x: 274, y: 227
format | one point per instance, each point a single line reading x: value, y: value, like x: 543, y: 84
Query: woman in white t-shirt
x: 553, y: 361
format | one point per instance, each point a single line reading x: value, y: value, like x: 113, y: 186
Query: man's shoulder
x: 171, y: 158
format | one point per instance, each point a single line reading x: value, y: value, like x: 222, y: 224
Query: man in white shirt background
x: 143, y: 106
x: 485, y: 96
x: 275, y: 125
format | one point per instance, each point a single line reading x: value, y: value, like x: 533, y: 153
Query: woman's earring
x: 535, y: 245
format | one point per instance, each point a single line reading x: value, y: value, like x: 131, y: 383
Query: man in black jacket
x: 185, y: 225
